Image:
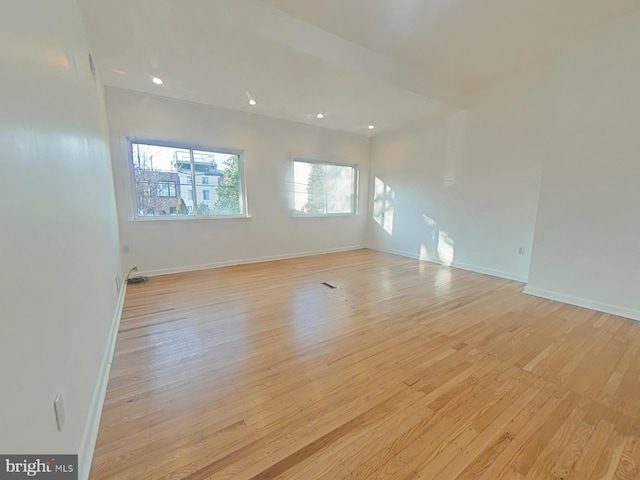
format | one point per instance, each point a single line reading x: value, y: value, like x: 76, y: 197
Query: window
x: 166, y: 189
x: 165, y: 181
x: 324, y: 188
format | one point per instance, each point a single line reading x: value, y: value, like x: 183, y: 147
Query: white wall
x: 587, y: 238
x: 59, y: 242
x: 466, y: 186
x: 547, y: 160
x: 173, y: 245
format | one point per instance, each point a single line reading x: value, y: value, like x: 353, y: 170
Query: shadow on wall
x: 437, y: 245
x: 383, y: 205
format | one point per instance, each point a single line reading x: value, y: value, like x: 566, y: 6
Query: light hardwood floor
x: 406, y: 370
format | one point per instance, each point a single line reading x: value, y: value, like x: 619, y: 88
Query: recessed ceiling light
x: 371, y: 127
x: 320, y: 115
x: 157, y: 81
x: 252, y: 102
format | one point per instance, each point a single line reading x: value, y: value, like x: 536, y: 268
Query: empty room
x: 339, y: 239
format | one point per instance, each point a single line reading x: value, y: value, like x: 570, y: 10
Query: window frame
x: 355, y: 187
x: 191, y: 147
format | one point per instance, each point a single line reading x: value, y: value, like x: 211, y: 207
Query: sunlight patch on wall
x: 436, y: 243
x: 429, y: 221
x: 383, y: 205
x: 424, y: 252
x: 446, y: 248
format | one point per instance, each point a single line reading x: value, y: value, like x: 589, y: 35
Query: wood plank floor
x: 406, y: 370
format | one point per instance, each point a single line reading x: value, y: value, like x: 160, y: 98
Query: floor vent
x: 328, y: 285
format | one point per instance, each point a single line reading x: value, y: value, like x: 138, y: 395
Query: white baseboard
x: 88, y: 444
x: 245, y: 261
x: 461, y: 266
x: 584, y: 302
x: 491, y: 272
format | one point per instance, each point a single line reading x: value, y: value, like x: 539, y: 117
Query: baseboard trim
x: 584, y: 302
x: 491, y: 272
x: 90, y: 436
x: 246, y: 261
x: 461, y: 266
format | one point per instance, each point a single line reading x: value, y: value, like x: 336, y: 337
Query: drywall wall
x: 545, y: 160
x: 463, y: 190
x: 59, y: 243
x: 162, y: 246
x: 587, y: 237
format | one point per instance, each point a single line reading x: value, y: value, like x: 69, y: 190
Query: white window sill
x: 170, y: 218
x: 331, y: 215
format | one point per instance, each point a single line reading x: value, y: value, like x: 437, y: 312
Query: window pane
x: 340, y: 188
x: 300, y: 184
x: 160, y: 174
x: 219, y: 191
x: 310, y: 188
x: 169, y: 182
x: 323, y: 189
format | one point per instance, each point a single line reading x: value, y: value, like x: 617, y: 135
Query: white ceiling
x: 386, y: 62
x: 471, y: 39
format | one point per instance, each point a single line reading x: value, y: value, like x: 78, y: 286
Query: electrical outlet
x: 521, y: 251
x: 58, y: 408
x: 118, y: 282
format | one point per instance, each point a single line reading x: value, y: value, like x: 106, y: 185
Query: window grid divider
x: 194, y: 198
